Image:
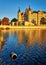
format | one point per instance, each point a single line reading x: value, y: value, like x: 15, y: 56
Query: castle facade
x: 31, y: 17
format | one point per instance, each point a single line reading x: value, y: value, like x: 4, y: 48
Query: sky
x: 9, y: 8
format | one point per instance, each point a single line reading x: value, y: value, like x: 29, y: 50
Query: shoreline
x: 22, y: 27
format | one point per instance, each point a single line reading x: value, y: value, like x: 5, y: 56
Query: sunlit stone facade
x: 32, y: 17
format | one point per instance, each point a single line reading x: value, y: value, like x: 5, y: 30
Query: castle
x: 30, y: 17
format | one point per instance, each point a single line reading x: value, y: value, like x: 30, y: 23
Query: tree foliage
x: 5, y: 21
x: 14, y: 20
x: 43, y: 20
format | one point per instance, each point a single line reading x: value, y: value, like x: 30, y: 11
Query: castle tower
x: 22, y: 17
x: 29, y: 14
x: 19, y: 15
x: 40, y: 15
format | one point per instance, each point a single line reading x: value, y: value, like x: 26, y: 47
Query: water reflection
x: 6, y: 35
x: 29, y: 36
x: 29, y: 43
x: 3, y: 38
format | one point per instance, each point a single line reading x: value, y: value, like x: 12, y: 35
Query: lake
x: 28, y: 44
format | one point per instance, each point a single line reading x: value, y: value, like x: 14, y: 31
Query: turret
x: 40, y: 15
x: 19, y: 15
x: 29, y: 14
x: 29, y: 7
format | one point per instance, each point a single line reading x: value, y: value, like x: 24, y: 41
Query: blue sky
x: 9, y: 8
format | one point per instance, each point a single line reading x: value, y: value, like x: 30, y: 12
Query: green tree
x: 13, y: 20
x: 43, y: 20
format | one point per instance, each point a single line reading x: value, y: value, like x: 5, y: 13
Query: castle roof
x: 29, y: 7
x: 35, y: 11
x: 44, y: 12
x: 22, y: 13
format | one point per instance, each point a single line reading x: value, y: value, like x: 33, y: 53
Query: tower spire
x: 19, y: 9
x: 29, y: 7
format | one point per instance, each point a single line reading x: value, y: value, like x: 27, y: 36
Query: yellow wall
x: 34, y: 16
x: 22, y: 17
x: 28, y: 23
x: 40, y: 15
x: 44, y: 15
x: 31, y: 16
x: 19, y: 16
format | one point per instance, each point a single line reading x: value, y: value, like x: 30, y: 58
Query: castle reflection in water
x: 29, y: 36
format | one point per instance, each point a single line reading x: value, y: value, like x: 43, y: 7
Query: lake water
x: 28, y: 44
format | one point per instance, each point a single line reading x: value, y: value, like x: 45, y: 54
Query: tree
x: 5, y: 21
x: 13, y: 20
x: 43, y: 20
